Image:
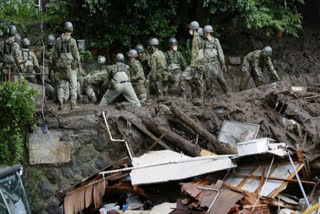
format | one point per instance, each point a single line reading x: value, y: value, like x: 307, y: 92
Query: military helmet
x: 101, y: 60
x: 132, y: 53
x: 17, y: 38
x: 200, y: 31
x: 172, y: 41
x: 25, y: 43
x: 120, y: 57
x: 208, y: 29
x: 13, y: 30
x: 267, y: 51
x: 51, y: 39
x: 68, y: 27
x: 194, y: 25
x: 139, y: 48
x: 154, y: 42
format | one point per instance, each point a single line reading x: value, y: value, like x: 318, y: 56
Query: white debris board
x: 173, y: 170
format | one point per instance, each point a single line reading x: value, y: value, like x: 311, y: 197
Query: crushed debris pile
x: 251, y: 152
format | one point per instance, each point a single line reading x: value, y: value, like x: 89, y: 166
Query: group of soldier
x: 146, y: 71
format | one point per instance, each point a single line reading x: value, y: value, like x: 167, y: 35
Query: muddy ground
x: 297, y: 63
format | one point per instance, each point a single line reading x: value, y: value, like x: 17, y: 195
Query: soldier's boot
x: 74, y: 105
x: 143, y: 97
x: 165, y: 90
x: 60, y: 105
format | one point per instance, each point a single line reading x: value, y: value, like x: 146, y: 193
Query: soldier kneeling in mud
x: 119, y: 84
x: 93, y: 83
x: 254, y: 63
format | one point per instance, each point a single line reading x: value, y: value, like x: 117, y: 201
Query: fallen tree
x: 221, y: 148
x: 174, y: 139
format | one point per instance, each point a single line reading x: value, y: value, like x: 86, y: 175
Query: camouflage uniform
x: 10, y: 57
x: 176, y: 64
x: 193, y: 75
x: 159, y: 73
x: 80, y: 77
x: 92, y: 83
x: 144, y: 58
x: 138, y: 80
x: 212, y: 63
x: 48, y: 69
x: 67, y: 60
x: 31, y: 64
x: 119, y: 84
x: 253, y: 64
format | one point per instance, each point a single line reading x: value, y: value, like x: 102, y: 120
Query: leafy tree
x: 21, y: 13
x: 262, y: 14
x: 123, y: 22
x: 16, y: 117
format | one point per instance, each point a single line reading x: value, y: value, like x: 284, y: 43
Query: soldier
x: 137, y: 75
x: 197, y: 75
x: 47, y: 66
x: 17, y: 39
x: 10, y: 55
x: 159, y: 73
x: 67, y: 59
x: 31, y: 64
x: 253, y: 64
x: 211, y: 60
x: 176, y: 63
x: 144, y: 58
x: 93, y: 82
x: 119, y: 84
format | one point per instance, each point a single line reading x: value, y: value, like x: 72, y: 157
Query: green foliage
x: 128, y: 22
x: 16, y: 115
x: 86, y: 56
x: 262, y: 14
x: 54, y: 15
x: 32, y: 178
x: 21, y: 13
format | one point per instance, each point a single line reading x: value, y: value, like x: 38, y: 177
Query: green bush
x: 86, y: 56
x: 16, y: 117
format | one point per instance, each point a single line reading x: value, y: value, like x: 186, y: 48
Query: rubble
x: 214, y: 157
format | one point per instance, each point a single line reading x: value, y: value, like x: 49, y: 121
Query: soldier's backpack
x: 65, y: 56
x: 208, y: 51
x: 161, y: 60
x: 7, y: 53
x: 172, y: 67
x: 28, y: 65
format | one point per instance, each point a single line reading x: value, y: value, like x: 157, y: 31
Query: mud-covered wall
x: 90, y: 150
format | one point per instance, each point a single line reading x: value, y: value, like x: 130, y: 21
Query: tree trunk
x: 175, y: 139
x: 221, y: 148
x: 149, y: 134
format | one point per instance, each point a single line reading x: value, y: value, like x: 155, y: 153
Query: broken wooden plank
x: 155, y: 143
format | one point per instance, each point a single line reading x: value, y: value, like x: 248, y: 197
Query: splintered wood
x: 81, y: 198
x: 204, y: 197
